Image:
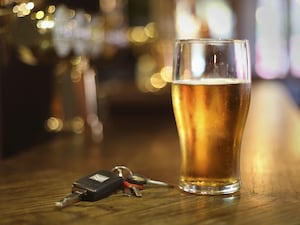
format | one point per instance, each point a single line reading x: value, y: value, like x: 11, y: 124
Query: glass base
x: 209, y: 189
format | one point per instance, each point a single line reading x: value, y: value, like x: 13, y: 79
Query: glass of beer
x: 211, y: 95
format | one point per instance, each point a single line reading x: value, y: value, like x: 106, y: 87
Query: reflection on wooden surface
x: 271, y: 147
x: 32, y: 181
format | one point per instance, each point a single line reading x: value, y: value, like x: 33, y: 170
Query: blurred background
x: 74, y: 66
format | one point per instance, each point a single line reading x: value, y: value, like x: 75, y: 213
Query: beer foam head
x: 211, y: 81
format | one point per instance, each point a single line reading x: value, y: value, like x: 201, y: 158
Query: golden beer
x: 210, y: 116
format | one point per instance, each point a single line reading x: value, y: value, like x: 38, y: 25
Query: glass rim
x: 212, y: 40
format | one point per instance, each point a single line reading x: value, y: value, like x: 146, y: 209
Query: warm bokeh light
x: 23, y: 9
x: 157, y: 81
x: 45, y: 24
x: 51, y: 9
x: 39, y: 15
x: 142, y: 34
x: 78, y: 125
x: 137, y: 35
x: 166, y: 73
x: 54, y: 124
x: 150, y: 30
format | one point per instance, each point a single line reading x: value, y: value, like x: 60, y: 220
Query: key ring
x: 120, y: 170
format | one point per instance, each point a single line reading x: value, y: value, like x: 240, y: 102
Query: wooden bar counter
x: 32, y: 181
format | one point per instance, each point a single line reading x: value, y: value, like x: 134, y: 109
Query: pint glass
x: 211, y: 96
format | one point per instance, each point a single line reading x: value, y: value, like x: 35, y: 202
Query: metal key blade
x: 136, y: 191
x: 158, y: 183
x: 139, y: 179
x: 70, y: 199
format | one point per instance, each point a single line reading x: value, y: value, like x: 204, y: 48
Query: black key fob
x: 98, y: 185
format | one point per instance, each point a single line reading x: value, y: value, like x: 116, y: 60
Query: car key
x: 93, y: 187
x: 142, y: 180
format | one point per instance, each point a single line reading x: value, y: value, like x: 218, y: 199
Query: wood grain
x: 32, y: 181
